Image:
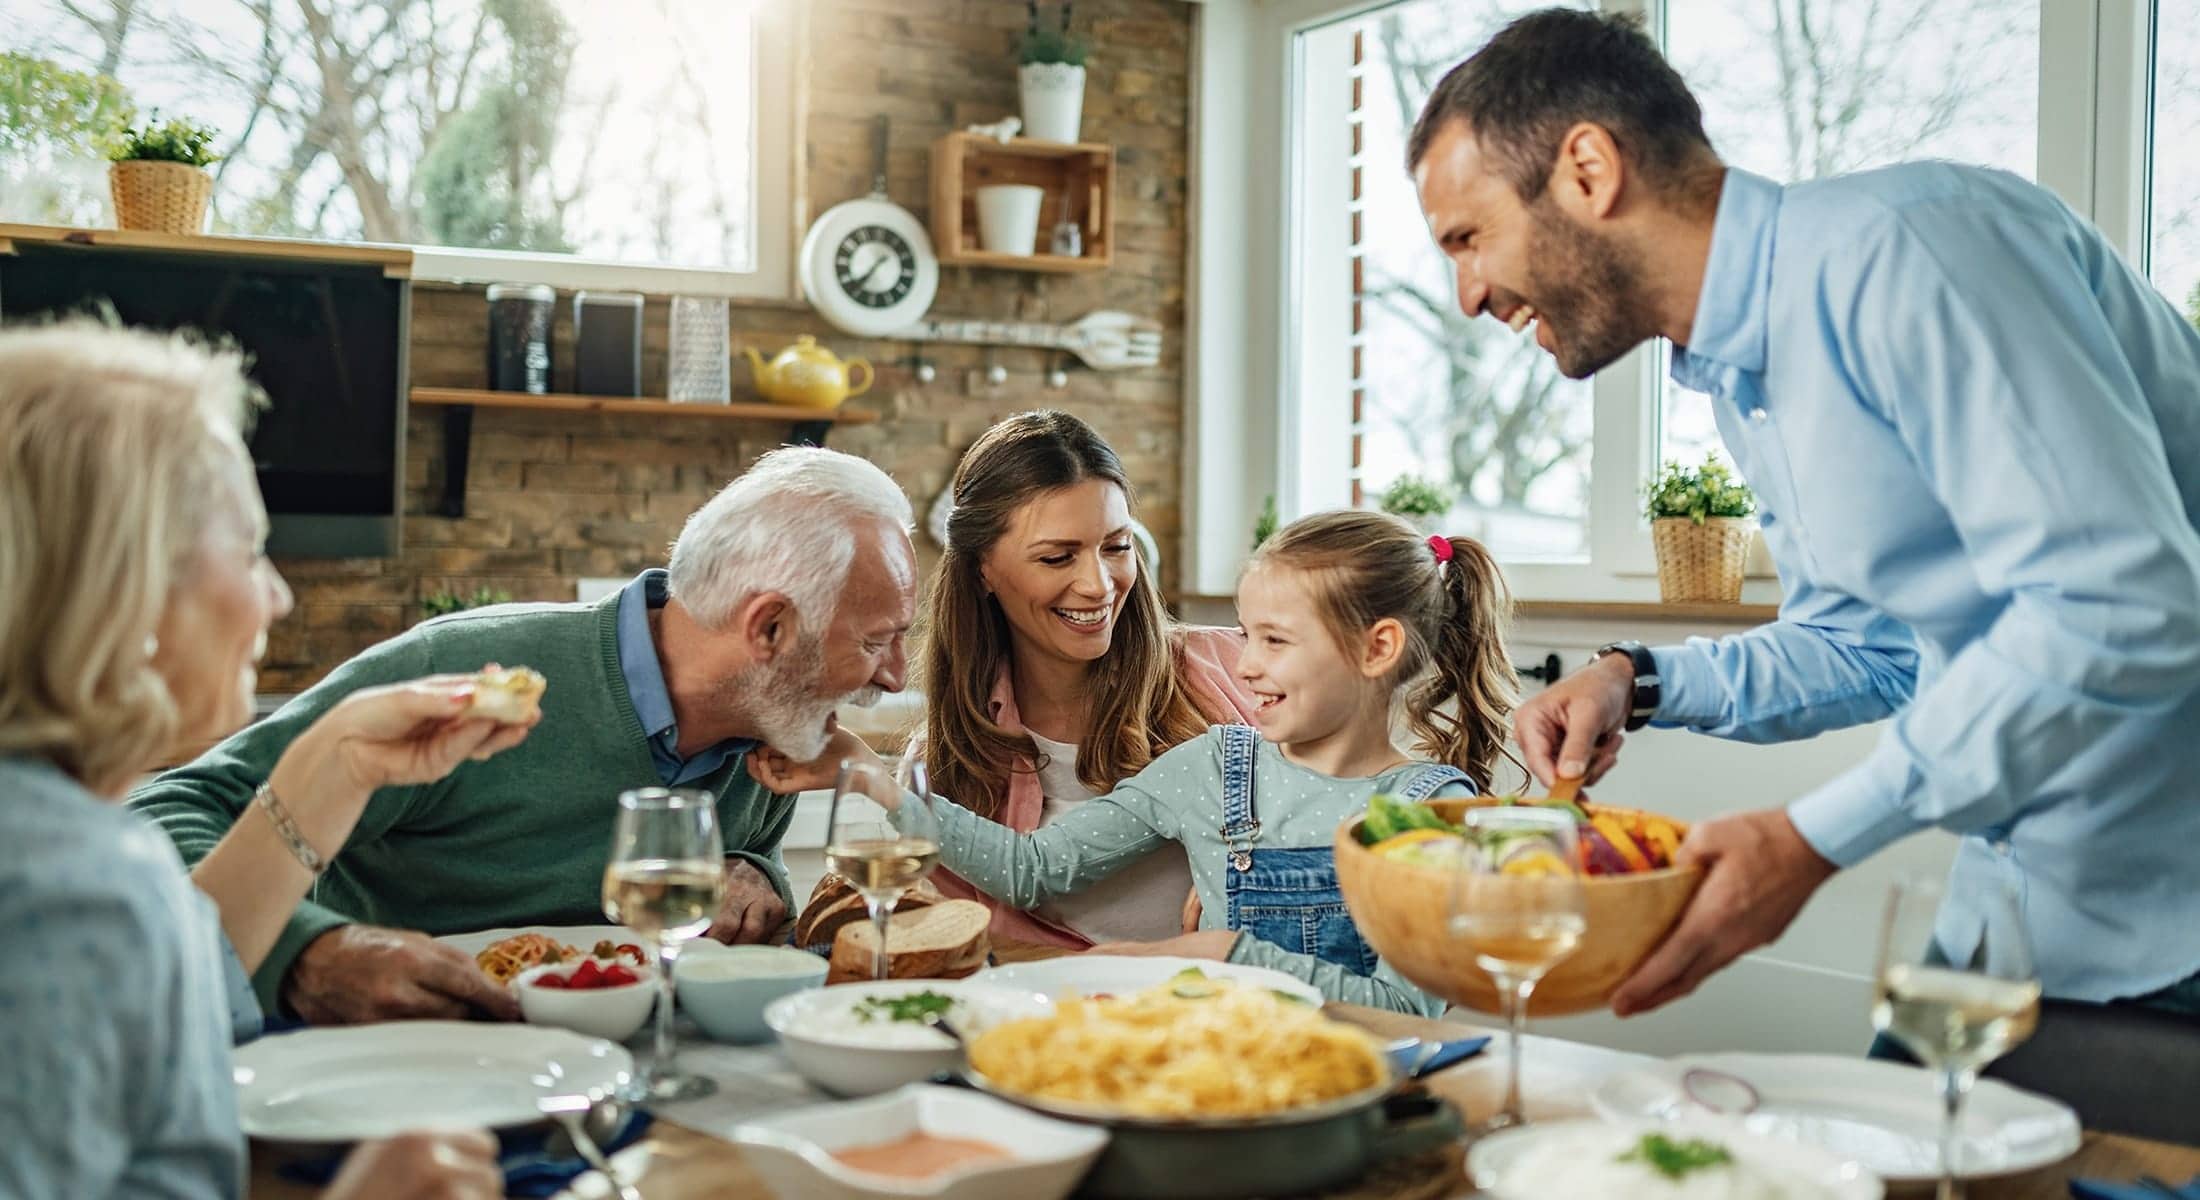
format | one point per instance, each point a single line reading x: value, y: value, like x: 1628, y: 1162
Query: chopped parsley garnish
x: 1676, y: 1160
x: 915, y: 1006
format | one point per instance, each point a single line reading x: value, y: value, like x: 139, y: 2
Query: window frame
x: 1251, y: 374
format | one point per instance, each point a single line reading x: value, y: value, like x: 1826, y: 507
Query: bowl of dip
x: 1696, y: 1159
x: 858, y: 1039
x: 919, y: 1141
x: 727, y: 988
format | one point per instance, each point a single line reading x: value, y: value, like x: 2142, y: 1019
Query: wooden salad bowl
x: 1402, y: 909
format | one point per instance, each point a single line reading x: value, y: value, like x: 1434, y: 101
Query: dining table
x: 675, y: 1161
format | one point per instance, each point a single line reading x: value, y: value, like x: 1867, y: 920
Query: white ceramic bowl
x: 1494, y: 1163
x: 832, y: 1049
x: 793, y: 1153
x: 612, y: 1013
x: 726, y: 988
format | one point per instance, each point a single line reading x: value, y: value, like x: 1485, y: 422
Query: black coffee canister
x: 519, y: 337
x: 607, y: 337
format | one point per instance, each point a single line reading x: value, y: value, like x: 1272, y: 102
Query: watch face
x: 874, y: 266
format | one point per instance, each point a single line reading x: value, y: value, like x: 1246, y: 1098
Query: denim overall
x: 1290, y: 897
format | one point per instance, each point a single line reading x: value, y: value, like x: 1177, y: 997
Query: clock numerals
x: 875, y: 267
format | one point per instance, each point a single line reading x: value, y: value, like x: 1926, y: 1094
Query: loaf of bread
x: 834, y: 903
x: 946, y: 940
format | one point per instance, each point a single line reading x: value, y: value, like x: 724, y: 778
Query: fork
x: 1104, y: 341
x: 574, y: 1113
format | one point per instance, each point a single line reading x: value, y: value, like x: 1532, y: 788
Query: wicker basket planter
x: 160, y: 197
x: 1701, y: 563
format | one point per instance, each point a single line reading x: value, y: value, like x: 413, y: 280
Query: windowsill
x: 641, y: 281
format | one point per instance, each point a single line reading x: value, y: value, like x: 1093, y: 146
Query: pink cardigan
x: 1207, y: 665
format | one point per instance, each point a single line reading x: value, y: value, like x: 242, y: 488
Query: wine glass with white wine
x: 1954, y: 1017
x: 1518, y: 908
x: 666, y: 879
x: 883, y: 838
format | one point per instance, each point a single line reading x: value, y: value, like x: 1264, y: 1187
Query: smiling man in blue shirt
x: 1974, y: 433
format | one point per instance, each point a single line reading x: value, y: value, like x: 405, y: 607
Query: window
x: 2175, y: 232
x: 595, y: 133
x: 1799, y: 89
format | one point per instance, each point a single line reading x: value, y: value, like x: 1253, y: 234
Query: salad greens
x: 1676, y: 1160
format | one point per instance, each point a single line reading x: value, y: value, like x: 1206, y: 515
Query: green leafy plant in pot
x: 1419, y: 500
x: 159, y: 178
x: 1701, y: 526
x: 1050, y: 77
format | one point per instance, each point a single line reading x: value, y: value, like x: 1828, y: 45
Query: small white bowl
x: 832, y: 1050
x: 793, y: 1153
x: 726, y: 988
x: 612, y: 1013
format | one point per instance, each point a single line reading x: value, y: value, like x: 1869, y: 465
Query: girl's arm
x: 1095, y: 840
x: 1386, y: 988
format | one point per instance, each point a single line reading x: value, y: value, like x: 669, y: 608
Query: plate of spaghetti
x: 503, y: 953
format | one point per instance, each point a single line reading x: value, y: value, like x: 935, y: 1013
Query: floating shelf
x: 1079, y: 181
x: 807, y: 426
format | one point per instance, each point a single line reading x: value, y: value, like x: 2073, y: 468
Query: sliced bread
x: 946, y: 940
x: 834, y: 905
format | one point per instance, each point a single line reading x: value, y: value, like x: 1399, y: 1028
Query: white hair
x: 786, y: 525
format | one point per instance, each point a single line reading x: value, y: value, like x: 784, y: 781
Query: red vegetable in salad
x: 589, y: 976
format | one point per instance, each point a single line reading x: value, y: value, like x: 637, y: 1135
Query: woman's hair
x: 1139, y: 706
x: 782, y: 526
x: 112, y: 451
x: 1364, y: 566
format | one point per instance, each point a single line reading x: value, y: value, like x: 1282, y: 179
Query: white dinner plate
x: 368, y: 1081
x: 583, y: 936
x: 1117, y: 974
x: 1885, y: 1115
x: 1494, y: 1162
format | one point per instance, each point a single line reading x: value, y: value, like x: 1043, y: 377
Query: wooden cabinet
x: 1078, y: 179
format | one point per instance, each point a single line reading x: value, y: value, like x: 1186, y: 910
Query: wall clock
x: 867, y: 265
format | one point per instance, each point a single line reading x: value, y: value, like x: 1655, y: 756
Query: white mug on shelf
x: 1008, y: 218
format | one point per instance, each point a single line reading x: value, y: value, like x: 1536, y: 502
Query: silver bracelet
x: 287, y: 829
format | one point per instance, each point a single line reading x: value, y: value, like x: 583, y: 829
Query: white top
x: 1143, y: 902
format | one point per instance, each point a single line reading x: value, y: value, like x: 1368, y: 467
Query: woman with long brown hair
x: 1051, y: 671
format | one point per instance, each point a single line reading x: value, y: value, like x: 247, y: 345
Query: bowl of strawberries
x: 604, y: 997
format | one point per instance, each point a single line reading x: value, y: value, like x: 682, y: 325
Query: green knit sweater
x: 521, y: 839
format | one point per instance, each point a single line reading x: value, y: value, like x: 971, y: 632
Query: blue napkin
x: 2103, y: 1189
x: 528, y: 1169
x: 1447, y: 1053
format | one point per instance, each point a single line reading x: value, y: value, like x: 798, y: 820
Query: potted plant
x: 436, y: 604
x: 1421, y: 501
x: 1700, y: 525
x: 159, y: 177
x: 1051, y: 78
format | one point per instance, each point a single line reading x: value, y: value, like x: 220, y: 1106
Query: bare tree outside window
x: 618, y: 132
x: 2175, y: 236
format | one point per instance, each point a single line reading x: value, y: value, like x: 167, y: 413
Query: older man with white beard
x: 788, y: 594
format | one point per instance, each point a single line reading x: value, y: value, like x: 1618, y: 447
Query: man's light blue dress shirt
x: 1974, y: 433
x: 645, y: 686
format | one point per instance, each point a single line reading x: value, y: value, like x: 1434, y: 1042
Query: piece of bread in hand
x: 946, y: 940
x: 508, y: 694
x: 834, y: 903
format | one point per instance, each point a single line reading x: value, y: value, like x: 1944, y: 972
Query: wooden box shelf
x: 1079, y: 181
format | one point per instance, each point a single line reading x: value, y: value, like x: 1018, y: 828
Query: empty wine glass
x: 1518, y: 907
x: 883, y: 838
x: 666, y: 879
x: 1954, y: 1017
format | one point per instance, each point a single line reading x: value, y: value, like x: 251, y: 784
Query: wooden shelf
x: 630, y: 404
x: 396, y: 261
x: 806, y: 426
x: 1078, y: 179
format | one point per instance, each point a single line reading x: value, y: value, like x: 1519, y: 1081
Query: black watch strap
x: 1648, y: 689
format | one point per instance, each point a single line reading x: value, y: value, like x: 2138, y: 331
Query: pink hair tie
x: 1441, y: 545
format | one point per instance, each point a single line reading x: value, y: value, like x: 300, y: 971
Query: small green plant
x: 1264, y: 526
x: 441, y: 603
x: 176, y: 141
x: 1412, y: 496
x: 1711, y: 490
x: 1049, y: 45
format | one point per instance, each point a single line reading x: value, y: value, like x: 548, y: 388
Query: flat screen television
x: 327, y: 341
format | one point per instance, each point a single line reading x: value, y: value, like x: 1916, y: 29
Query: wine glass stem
x: 881, y: 910
x: 1952, y: 1086
x: 668, y: 953
x: 1516, y: 1021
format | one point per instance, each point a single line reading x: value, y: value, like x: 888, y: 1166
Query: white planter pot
x: 1054, y: 100
x: 1008, y: 218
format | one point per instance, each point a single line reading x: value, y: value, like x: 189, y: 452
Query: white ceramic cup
x: 1008, y: 218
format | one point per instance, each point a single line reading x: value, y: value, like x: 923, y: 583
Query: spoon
x: 581, y: 1121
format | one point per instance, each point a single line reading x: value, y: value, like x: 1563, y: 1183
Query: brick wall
x: 552, y: 497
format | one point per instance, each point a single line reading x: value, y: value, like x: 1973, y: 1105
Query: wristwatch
x: 1644, y: 704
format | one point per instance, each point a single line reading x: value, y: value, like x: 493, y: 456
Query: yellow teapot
x: 807, y: 375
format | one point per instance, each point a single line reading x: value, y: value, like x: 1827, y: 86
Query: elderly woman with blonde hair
x: 134, y: 601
